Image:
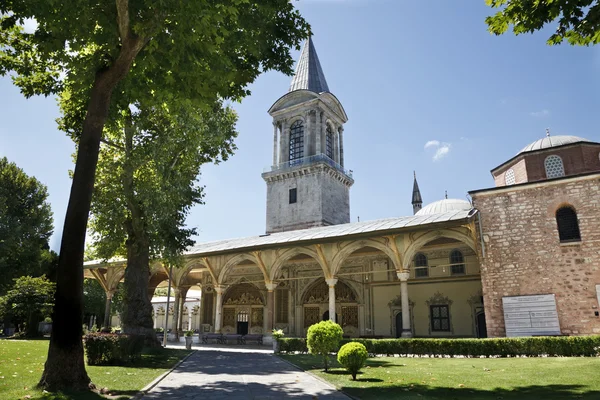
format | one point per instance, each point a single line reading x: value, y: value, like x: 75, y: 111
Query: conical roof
x: 416, y: 196
x: 309, y: 74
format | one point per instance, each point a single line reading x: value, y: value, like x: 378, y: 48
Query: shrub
x: 111, y: 349
x: 323, y: 338
x: 353, y: 356
x: 277, y: 334
x: 292, y: 345
x: 189, y: 333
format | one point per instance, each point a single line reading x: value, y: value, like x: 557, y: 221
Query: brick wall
x: 524, y: 255
x: 520, y: 170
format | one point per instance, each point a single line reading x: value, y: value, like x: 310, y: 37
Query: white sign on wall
x: 530, y: 315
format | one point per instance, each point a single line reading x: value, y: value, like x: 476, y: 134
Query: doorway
x: 326, y: 317
x: 399, y: 324
x: 481, y: 327
x: 242, y: 323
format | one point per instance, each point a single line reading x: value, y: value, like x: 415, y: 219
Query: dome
x: 552, y: 141
x: 446, y: 205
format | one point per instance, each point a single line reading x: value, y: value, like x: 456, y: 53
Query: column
x: 270, y: 306
x: 336, y: 147
x: 284, y: 137
x: 275, y: 143
x: 331, y: 282
x: 107, y: 313
x: 341, y: 131
x: 182, y: 297
x: 308, y: 139
x: 319, y: 132
x: 403, y: 276
x: 219, y: 309
x: 175, y: 313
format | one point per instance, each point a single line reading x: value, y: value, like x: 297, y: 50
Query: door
x: 398, y: 324
x: 481, y: 328
x: 242, y: 323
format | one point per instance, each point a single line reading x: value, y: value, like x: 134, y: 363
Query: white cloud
x: 540, y: 114
x: 441, y: 152
x: 432, y: 143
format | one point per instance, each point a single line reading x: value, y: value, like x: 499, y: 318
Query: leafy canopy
x: 322, y: 338
x: 578, y: 20
x: 25, y: 225
x: 353, y: 356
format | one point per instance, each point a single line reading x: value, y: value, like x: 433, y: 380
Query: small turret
x: 417, y: 200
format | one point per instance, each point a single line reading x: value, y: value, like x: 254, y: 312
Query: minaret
x: 417, y: 201
x: 307, y: 184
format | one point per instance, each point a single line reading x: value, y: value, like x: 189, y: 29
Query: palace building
x: 523, y: 258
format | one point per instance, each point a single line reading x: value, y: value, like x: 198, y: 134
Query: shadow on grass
x: 426, y: 392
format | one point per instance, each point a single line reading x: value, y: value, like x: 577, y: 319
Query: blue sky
x: 407, y: 73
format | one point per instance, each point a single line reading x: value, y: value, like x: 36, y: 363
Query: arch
x: 232, y: 262
x: 567, y: 224
x: 190, y: 265
x: 114, y: 276
x: 415, y: 246
x: 554, y: 166
x: 296, y: 140
x: 321, y: 286
x: 289, y: 253
x: 343, y: 254
x: 244, y: 293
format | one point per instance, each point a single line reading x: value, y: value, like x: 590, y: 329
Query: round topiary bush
x: 353, y: 356
x: 323, y: 338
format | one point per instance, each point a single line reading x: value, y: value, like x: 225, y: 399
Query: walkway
x: 236, y: 374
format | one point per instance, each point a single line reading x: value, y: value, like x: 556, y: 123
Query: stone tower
x: 307, y: 184
x: 417, y: 201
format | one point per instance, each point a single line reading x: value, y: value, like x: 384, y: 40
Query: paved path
x: 236, y: 374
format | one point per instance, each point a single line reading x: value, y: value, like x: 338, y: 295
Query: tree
x: 323, y: 338
x: 28, y: 301
x: 147, y: 183
x: 196, y: 50
x: 353, y: 356
x: 578, y: 21
x: 94, y: 299
x: 25, y: 225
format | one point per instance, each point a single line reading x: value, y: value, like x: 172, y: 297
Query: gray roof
x: 309, y: 74
x: 445, y: 206
x: 416, y: 197
x: 327, y: 232
x: 552, y: 141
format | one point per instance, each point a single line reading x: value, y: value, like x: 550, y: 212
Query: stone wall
x: 524, y: 255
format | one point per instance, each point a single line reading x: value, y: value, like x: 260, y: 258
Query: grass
x: 463, y: 378
x: 22, y: 364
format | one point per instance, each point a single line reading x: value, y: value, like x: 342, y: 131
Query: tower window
x: 296, y: 141
x: 554, y: 167
x: 421, y: 266
x: 509, y: 177
x: 293, y: 195
x: 329, y: 142
x: 457, y: 261
x: 568, y: 227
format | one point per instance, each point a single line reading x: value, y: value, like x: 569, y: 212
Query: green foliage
x: 94, y: 298
x: 25, y: 225
x: 189, y: 333
x: 111, y: 349
x: 578, y: 21
x: 353, y: 356
x: 29, y: 301
x: 277, y: 334
x: 324, y: 337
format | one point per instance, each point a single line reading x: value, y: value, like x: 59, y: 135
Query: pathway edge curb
x: 142, y: 392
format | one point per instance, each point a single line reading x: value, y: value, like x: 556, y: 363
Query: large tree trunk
x: 65, y: 368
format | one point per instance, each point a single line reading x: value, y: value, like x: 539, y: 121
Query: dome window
x: 421, y: 266
x: 554, y: 167
x: 568, y: 226
x: 509, y: 177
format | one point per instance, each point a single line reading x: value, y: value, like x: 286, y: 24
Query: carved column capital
x: 220, y: 289
x: 403, y: 276
x: 271, y: 286
x: 331, y: 282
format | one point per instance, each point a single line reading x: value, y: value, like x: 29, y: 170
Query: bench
x: 232, y: 336
x: 209, y: 336
x: 253, y: 337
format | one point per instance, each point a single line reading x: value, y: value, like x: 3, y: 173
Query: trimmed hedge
x: 112, y: 349
x: 563, y: 346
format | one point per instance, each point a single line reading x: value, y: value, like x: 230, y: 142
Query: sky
x: 426, y: 88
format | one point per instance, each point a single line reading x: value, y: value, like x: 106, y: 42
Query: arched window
x: 329, y: 142
x: 568, y: 227
x: 421, y: 266
x: 296, y: 141
x: 457, y: 261
x: 509, y: 177
x: 554, y: 166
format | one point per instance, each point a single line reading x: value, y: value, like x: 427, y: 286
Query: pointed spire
x: 309, y: 74
x: 417, y: 201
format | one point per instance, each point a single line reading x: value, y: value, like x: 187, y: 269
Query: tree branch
x: 123, y: 19
x: 112, y: 144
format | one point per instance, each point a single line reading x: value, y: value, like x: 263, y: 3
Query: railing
x: 306, y: 161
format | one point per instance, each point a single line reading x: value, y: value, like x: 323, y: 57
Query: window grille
x: 421, y: 266
x: 242, y: 316
x: 568, y: 226
x: 296, y: 141
x: 282, y: 305
x: 329, y: 142
x: 293, y: 195
x: 509, y: 177
x: 554, y: 167
x: 458, y: 263
x: 440, y: 318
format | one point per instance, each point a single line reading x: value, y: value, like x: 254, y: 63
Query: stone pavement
x: 235, y: 374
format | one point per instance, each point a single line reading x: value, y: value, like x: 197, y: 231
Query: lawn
x: 464, y: 378
x: 22, y: 363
